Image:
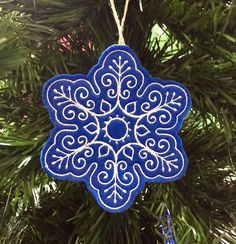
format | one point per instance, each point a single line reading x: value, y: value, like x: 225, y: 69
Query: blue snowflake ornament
x: 115, y: 129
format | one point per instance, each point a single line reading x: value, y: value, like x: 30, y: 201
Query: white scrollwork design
x: 115, y: 128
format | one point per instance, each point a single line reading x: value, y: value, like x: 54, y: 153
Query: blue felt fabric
x: 115, y: 129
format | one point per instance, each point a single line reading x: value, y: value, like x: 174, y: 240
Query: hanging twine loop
x: 120, y: 24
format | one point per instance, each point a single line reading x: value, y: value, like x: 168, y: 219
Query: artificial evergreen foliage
x: 193, y: 42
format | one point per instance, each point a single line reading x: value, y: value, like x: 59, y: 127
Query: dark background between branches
x: 193, y: 42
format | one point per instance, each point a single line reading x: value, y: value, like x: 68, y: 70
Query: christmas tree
x: 193, y: 42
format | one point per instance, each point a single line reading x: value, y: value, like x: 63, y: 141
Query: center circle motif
x: 117, y: 129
